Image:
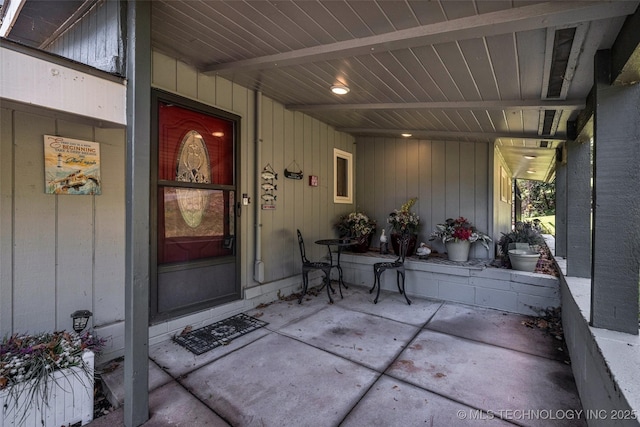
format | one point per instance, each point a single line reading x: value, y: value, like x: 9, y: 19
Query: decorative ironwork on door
x: 193, y: 166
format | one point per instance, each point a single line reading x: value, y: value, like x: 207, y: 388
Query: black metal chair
x: 398, y: 265
x: 308, y: 266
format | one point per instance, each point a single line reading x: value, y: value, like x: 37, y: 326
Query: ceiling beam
x: 452, y: 134
x: 518, y: 19
x: 625, y: 52
x: 625, y: 69
x: 447, y: 105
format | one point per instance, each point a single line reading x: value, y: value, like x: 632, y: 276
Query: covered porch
x: 358, y: 363
x: 484, y: 93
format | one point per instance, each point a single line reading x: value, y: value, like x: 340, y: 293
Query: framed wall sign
x: 71, y: 166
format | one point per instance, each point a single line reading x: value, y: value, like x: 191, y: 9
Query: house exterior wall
x: 63, y: 253
x: 450, y: 179
x: 286, y: 137
x: 60, y: 253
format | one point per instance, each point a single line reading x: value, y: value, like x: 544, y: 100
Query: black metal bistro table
x: 339, y: 243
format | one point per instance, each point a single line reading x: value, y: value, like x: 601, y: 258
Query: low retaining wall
x: 472, y: 283
x: 605, y: 364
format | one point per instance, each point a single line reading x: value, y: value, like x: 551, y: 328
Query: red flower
x: 462, y: 233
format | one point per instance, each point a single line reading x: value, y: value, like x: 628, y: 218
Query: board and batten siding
x: 288, y: 139
x: 59, y: 253
x: 450, y: 179
x: 95, y: 39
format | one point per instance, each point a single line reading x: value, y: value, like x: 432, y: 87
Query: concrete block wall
x: 605, y: 364
x: 502, y: 289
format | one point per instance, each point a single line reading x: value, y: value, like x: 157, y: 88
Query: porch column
x: 578, y: 208
x: 561, y: 210
x: 136, y: 299
x: 616, y: 209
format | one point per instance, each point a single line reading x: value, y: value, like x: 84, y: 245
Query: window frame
x: 348, y: 157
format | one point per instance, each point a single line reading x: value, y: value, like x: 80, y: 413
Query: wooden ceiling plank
x: 351, y: 21
x: 417, y: 78
x: 495, y: 23
x: 477, y: 59
x: 427, y: 12
x: 432, y: 62
x: 373, y: 14
x: 168, y: 22
x: 531, y: 56
x: 459, y: 71
x: 503, y: 53
x: 400, y: 17
x: 393, y: 74
x: 325, y: 20
x: 286, y: 27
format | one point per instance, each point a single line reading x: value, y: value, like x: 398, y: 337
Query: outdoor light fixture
x: 80, y: 319
x: 529, y: 156
x: 406, y: 135
x: 340, y: 89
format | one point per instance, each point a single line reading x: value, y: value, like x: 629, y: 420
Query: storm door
x: 194, y: 253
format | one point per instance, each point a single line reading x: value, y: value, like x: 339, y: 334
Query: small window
x: 505, y: 186
x: 342, y: 176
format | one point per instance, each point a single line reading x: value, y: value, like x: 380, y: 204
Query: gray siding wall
x: 286, y: 137
x: 450, y: 179
x: 59, y: 253
x: 95, y: 39
x: 62, y: 253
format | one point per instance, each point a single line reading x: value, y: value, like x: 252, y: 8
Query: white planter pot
x: 69, y: 400
x: 458, y: 251
x: 523, y: 259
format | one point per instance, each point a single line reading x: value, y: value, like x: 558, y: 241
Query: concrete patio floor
x: 355, y: 363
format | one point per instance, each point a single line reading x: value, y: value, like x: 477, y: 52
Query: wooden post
x: 616, y: 206
x: 578, y: 209
x: 136, y: 336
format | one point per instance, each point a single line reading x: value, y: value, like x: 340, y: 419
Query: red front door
x: 195, y: 196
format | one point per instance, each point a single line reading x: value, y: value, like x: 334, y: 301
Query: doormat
x: 219, y: 333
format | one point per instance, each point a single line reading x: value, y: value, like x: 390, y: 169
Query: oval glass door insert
x: 193, y: 166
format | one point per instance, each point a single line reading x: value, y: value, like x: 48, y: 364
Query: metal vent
x: 562, y: 43
x: 547, y: 124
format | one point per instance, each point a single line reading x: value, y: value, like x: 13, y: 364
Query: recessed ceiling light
x: 406, y: 135
x: 340, y: 89
x: 529, y: 156
x: 531, y: 171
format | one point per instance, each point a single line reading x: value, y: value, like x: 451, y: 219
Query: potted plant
x: 404, y: 221
x: 458, y: 235
x: 519, y: 247
x: 357, y: 225
x: 47, y: 379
